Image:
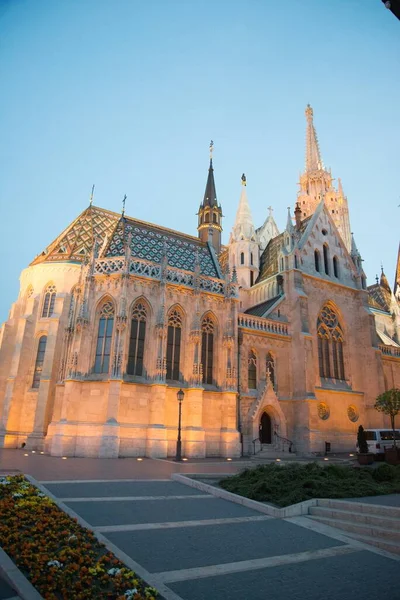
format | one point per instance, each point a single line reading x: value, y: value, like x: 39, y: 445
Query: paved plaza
x: 195, y: 546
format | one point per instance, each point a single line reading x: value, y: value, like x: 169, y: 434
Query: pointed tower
x: 244, y: 252
x: 316, y: 183
x: 267, y: 231
x: 210, y: 213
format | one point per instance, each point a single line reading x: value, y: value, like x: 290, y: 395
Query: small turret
x: 243, y: 245
x: 210, y: 213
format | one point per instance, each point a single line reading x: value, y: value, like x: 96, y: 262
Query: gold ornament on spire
x: 244, y: 180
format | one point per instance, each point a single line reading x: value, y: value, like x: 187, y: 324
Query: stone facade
x: 275, y: 337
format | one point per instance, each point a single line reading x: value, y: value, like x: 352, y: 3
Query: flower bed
x: 62, y: 560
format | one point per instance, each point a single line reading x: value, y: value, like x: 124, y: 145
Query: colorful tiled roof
x: 150, y: 242
x: 379, y: 297
x: 76, y: 241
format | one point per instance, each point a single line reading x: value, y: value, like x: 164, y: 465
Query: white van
x: 379, y: 439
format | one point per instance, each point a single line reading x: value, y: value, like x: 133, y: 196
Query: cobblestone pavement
x: 195, y: 546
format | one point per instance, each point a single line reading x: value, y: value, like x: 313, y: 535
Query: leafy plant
x: 362, y: 441
x: 389, y: 404
x: 287, y: 484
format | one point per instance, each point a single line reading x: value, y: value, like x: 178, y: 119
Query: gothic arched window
x: 49, y: 301
x: 207, y: 349
x: 270, y: 368
x: 41, y: 349
x: 136, y: 340
x: 174, y: 344
x: 316, y: 260
x: 335, y: 267
x: 242, y: 258
x: 326, y: 259
x: 252, y: 370
x: 104, y: 338
x: 330, y: 345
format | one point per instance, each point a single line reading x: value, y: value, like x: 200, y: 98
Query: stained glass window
x: 330, y: 345
x: 104, y: 338
x: 41, y: 349
x: 174, y: 344
x: 137, y: 339
x: 49, y: 301
x: 207, y: 349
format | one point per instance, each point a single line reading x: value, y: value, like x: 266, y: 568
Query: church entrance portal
x: 265, y: 429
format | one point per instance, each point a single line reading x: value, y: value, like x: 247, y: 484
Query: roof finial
x: 123, y: 205
x: 244, y: 180
x: 211, y: 152
x: 91, y: 196
x: 377, y: 279
x: 271, y: 210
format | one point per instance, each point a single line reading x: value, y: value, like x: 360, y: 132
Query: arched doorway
x: 265, y: 429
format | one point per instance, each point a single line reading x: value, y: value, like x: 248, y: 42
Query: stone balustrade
x: 389, y: 350
x: 261, y: 324
x: 146, y: 268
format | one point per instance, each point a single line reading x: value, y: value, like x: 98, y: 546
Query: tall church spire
x: 210, y: 195
x: 210, y: 213
x: 313, y: 155
x: 316, y: 183
x: 243, y: 228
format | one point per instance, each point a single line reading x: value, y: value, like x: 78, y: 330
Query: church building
x: 275, y: 338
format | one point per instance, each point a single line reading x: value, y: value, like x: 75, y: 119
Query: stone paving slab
x: 184, y: 548
x: 359, y: 575
x: 110, y: 489
x: 153, y: 511
x: 6, y: 591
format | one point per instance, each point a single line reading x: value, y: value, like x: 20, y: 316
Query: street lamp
x: 180, y: 395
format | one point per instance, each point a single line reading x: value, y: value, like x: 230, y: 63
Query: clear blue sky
x: 127, y: 94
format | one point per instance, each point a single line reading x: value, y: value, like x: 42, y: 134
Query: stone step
x: 373, y: 520
x: 361, y: 507
x: 361, y: 529
x: 387, y: 545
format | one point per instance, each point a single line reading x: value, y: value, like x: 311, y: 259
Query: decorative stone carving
x: 353, y: 414
x: 323, y: 411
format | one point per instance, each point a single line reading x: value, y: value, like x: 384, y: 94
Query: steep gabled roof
x: 76, y: 241
x: 149, y: 242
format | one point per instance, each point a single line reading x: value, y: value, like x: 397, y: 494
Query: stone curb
x: 294, y: 510
x: 149, y: 578
x: 16, y: 579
